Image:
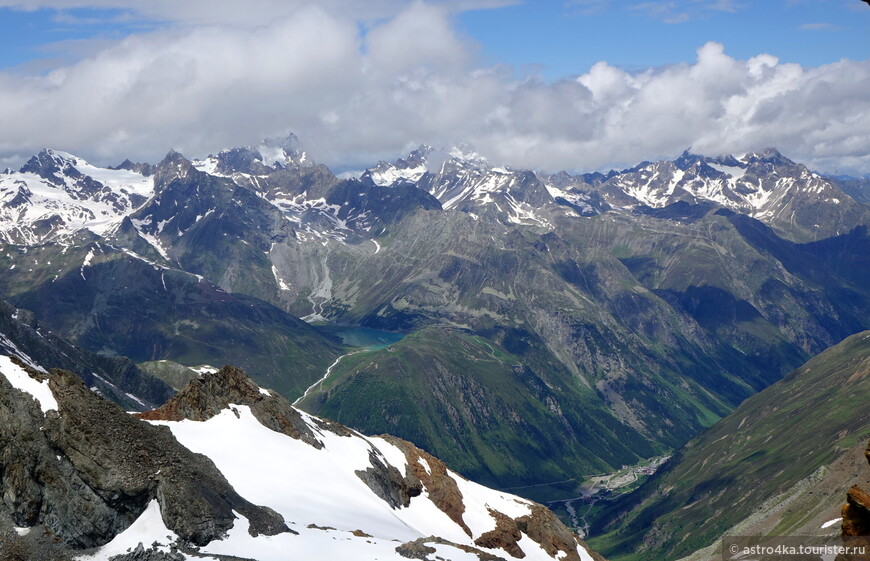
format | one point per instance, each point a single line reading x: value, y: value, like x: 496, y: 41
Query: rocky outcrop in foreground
x: 856, y: 511
x: 85, y: 471
x: 228, y: 470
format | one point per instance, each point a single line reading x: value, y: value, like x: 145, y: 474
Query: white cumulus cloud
x: 355, y: 92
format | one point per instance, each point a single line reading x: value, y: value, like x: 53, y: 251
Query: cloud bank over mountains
x: 356, y: 87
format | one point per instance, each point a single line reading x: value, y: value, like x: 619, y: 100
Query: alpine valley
x: 529, y: 329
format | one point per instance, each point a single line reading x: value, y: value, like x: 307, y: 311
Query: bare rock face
x: 418, y: 549
x: 856, y: 511
x: 505, y: 535
x: 544, y: 528
x: 211, y: 393
x: 442, y: 488
x: 541, y: 525
x: 389, y: 484
x: 65, y: 472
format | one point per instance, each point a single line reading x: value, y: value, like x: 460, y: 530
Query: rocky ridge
x: 788, y: 197
x: 80, y: 475
x: 115, y: 378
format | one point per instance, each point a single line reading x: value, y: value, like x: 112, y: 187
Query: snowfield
x: 319, y: 495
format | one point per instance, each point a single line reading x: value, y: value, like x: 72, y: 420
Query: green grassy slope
x: 772, y: 441
x: 482, y: 409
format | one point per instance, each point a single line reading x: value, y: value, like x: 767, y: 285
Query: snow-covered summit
x: 271, y: 154
x: 409, y: 169
x: 764, y: 185
x: 56, y: 194
x: 463, y: 180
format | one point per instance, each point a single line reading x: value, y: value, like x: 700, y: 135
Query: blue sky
x: 551, y: 37
x: 569, y: 37
x: 34, y: 41
x: 563, y: 84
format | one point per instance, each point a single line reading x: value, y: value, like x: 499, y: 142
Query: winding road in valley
x: 325, y: 376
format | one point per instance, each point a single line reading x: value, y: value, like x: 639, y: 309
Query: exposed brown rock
x: 544, y: 528
x: 418, y: 549
x: 206, y: 396
x: 360, y: 534
x: 314, y: 526
x: 441, y: 488
x: 856, y: 511
x: 505, y: 535
x: 541, y: 525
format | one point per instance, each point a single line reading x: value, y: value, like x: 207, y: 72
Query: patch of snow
x: 152, y: 240
x: 147, y: 529
x: 830, y: 523
x: 7, y: 343
x: 21, y: 380
x: 242, y: 447
x: 118, y: 179
x: 21, y: 531
x: 269, y: 468
x: 208, y: 165
x: 391, y: 174
x: 735, y: 172
x: 136, y: 399
x: 86, y: 263
x: 281, y: 284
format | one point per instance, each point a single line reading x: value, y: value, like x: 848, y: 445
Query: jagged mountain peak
x: 52, y: 165
x: 427, y: 159
x: 468, y: 155
x: 769, y: 155
x: 765, y: 185
x: 58, y: 157
x: 689, y: 159
x: 273, y: 153
x: 144, y: 169
x: 173, y: 157
x: 284, y: 151
x: 173, y: 166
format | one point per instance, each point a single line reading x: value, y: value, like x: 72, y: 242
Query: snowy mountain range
x: 766, y: 186
x: 55, y: 194
x: 634, y: 307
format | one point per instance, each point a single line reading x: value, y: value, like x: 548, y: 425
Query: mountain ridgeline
x: 561, y: 325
